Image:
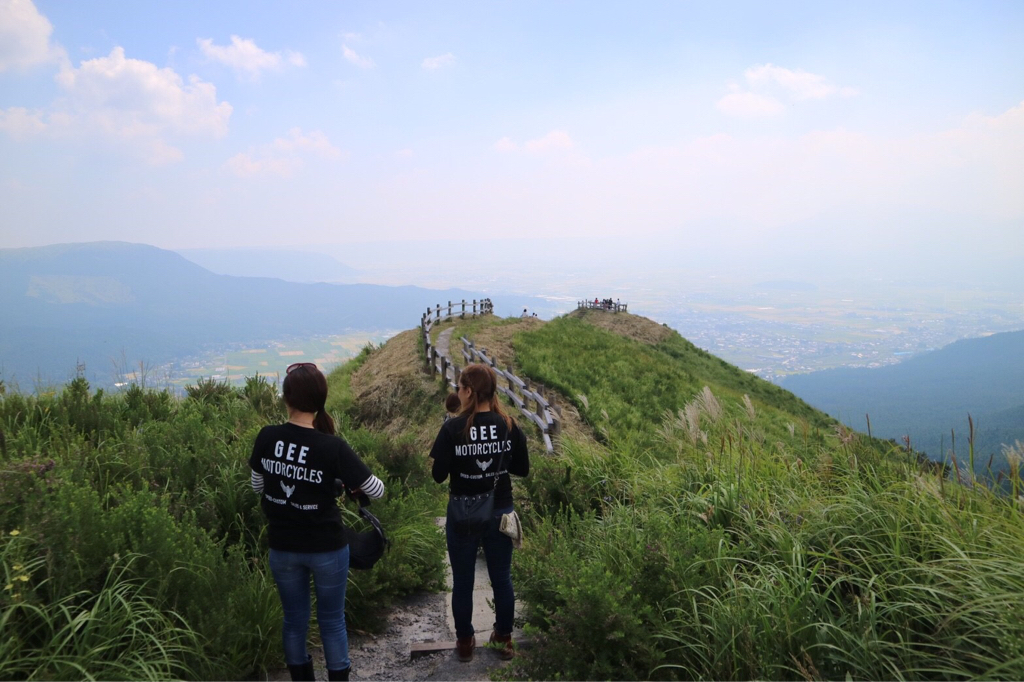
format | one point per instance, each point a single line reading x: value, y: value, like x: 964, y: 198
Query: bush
x: 144, y: 499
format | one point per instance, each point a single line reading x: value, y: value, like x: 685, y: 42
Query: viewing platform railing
x: 610, y: 306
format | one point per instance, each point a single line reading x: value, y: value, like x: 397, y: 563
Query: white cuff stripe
x: 257, y: 482
x: 373, y: 487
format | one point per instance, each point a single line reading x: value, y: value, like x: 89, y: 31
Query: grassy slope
x: 631, y: 372
x: 698, y: 536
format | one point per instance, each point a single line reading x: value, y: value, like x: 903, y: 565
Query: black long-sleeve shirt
x: 294, y: 469
x: 490, y: 451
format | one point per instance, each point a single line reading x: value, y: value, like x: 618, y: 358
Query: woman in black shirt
x: 477, y: 450
x: 294, y: 467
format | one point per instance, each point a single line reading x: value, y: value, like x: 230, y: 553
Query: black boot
x: 338, y: 674
x: 303, y: 672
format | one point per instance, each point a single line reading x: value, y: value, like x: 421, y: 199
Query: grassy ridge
x: 132, y: 546
x: 623, y: 387
x: 709, y: 536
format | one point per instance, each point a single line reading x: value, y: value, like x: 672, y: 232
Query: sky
x: 819, y: 134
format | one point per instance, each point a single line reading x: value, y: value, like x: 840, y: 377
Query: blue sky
x: 814, y: 128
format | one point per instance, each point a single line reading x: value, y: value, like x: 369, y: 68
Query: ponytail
x: 323, y: 422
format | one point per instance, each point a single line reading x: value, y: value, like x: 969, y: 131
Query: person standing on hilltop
x: 294, y: 467
x: 478, y: 450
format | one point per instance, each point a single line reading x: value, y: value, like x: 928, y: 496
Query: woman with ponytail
x: 294, y: 467
x: 478, y: 450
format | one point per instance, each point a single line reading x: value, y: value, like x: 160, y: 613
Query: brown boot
x: 506, y: 647
x: 465, y: 646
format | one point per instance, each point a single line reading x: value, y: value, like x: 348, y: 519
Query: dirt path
x: 444, y: 342
x: 386, y: 656
x: 420, y: 618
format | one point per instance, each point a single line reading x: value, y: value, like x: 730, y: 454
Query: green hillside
x: 716, y: 527
x: 929, y: 396
x: 694, y: 522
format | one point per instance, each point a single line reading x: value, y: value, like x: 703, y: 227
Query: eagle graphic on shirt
x: 484, y: 465
x: 288, y: 489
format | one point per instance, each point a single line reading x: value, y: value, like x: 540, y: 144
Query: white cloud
x: 246, y: 165
x: 245, y: 57
x: 19, y: 122
x: 25, y: 37
x: 505, y: 145
x: 749, y: 105
x: 132, y: 97
x: 433, y: 63
x: 129, y: 101
x: 361, y: 62
x: 283, y: 157
x: 799, y: 84
x: 769, y: 84
x: 315, y: 142
x: 556, y: 139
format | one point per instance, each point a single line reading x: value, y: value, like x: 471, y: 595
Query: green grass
x: 624, y: 388
x: 708, y: 537
x: 135, y: 507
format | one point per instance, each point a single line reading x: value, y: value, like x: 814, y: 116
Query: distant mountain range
x: 929, y: 396
x: 291, y: 266
x: 98, y: 302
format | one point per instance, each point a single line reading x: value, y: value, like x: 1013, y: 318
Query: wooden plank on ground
x: 419, y: 649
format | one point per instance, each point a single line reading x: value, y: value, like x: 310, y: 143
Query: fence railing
x: 531, y: 399
x: 433, y: 316
x: 606, y: 304
x: 441, y: 362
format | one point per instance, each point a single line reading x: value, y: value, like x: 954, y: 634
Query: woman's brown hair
x: 483, y: 385
x: 305, y: 389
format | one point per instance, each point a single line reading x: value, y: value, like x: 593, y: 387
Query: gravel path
x: 419, y: 618
x: 444, y: 340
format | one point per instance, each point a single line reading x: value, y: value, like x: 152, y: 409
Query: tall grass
x: 729, y: 535
x: 139, y: 503
x: 118, y: 632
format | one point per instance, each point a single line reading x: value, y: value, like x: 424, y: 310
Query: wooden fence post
x: 463, y: 315
x: 556, y: 422
x: 444, y: 367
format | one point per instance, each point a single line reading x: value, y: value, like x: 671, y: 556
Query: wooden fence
x: 441, y: 362
x: 532, y: 399
x: 610, y: 306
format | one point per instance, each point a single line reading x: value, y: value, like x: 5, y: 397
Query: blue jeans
x: 462, y: 557
x: 291, y: 572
